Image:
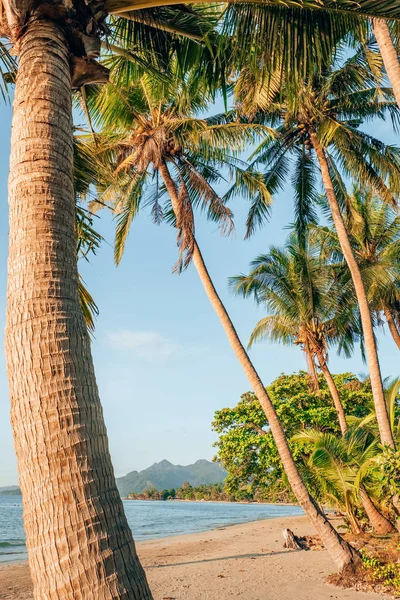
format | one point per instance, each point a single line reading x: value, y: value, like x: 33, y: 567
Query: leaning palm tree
x: 59, y: 431
x: 296, y: 286
x: 321, y: 128
x: 373, y: 227
x: 150, y: 134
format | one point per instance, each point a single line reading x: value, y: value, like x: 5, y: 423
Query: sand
x: 246, y: 561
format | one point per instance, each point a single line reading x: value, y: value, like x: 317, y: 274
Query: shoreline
x: 247, y: 502
x: 23, y: 556
x: 246, y: 560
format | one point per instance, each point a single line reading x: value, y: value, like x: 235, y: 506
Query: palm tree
x: 304, y: 306
x: 296, y: 285
x: 50, y: 368
x: 72, y: 510
x: 373, y: 227
x: 152, y: 132
x: 321, y: 127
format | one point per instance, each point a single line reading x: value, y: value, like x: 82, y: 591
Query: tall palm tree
x: 373, y: 227
x: 321, y: 128
x: 50, y: 368
x: 150, y: 133
x: 78, y: 539
x: 304, y: 305
x: 296, y: 285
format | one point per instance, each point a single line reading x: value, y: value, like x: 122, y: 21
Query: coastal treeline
x: 211, y: 491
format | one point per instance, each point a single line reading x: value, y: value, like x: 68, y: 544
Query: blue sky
x: 162, y: 361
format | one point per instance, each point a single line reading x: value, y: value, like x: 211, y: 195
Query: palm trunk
x: 311, y: 368
x: 335, y: 394
x: 355, y: 524
x: 342, y: 553
x: 392, y: 326
x: 370, y: 344
x: 389, y: 55
x: 79, y: 543
x: 379, y: 523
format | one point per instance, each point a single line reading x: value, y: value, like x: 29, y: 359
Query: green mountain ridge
x: 165, y: 475
x: 162, y: 475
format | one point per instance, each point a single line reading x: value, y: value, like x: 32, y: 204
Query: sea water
x: 148, y: 519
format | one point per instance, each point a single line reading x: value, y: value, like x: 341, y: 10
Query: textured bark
x: 389, y: 55
x: 355, y: 524
x: 79, y: 544
x: 311, y: 368
x: 379, y: 523
x: 369, y: 338
x: 335, y: 395
x: 392, y: 326
x: 342, y: 553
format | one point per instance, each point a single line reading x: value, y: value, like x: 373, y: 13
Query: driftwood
x: 291, y: 541
x: 306, y: 542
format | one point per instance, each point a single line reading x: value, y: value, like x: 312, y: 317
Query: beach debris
x: 306, y: 542
x: 291, y: 540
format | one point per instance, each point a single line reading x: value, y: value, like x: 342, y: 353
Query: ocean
x: 148, y: 519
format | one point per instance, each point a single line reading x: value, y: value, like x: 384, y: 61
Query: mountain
x: 11, y: 490
x: 164, y: 475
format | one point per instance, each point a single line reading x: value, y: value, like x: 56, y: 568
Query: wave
x: 12, y: 544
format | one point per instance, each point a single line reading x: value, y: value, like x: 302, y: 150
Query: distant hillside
x: 11, y: 490
x: 164, y: 475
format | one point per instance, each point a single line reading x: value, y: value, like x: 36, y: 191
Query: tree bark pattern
x: 342, y: 553
x: 378, y: 521
x: 392, y: 326
x: 389, y: 55
x: 370, y: 343
x: 335, y: 394
x: 79, y: 544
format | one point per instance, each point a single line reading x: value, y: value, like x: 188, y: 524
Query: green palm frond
x: 88, y: 305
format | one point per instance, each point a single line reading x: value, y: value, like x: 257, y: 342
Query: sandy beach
x: 246, y: 561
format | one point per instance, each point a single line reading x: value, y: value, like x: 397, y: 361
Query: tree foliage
x: 246, y: 448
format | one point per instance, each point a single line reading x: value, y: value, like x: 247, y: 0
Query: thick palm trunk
x: 342, y: 553
x: 79, y: 544
x: 369, y: 338
x: 335, y: 395
x: 392, y: 326
x: 389, y: 55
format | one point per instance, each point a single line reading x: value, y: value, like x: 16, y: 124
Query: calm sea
x: 148, y: 519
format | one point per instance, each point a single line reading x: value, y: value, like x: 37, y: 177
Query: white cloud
x: 149, y: 345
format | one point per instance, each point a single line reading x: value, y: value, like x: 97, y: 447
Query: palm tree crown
x: 333, y: 105
x: 374, y: 231
x: 295, y: 285
x: 152, y: 124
